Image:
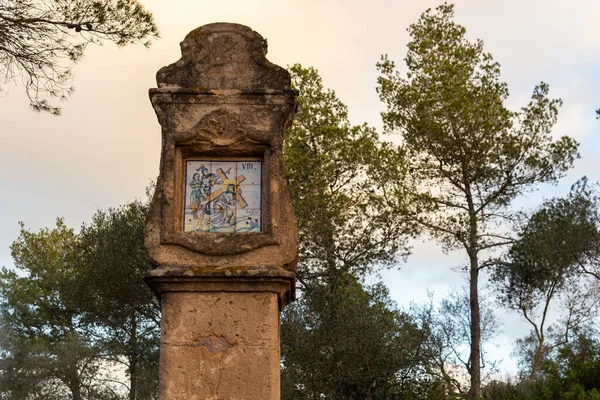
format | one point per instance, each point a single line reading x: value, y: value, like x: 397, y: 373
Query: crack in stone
x: 213, y: 344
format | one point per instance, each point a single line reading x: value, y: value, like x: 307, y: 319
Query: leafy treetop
x: 41, y: 40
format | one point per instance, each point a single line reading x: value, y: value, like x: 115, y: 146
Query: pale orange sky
x: 104, y: 149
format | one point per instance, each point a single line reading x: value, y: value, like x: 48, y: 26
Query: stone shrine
x: 221, y: 229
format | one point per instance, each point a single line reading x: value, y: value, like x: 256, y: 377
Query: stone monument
x: 221, y: 230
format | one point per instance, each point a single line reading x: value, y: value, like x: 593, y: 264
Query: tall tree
x: 75, y: 306
x: 41, y: 40
x: 346, y: 232
x: 47, y: 348
x: 555, y: 249
x: 113, y: 260
x: 345, y: 226
x: 351, y: 342
x: 469, y: 155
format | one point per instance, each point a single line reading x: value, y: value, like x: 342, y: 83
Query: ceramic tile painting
x: 222, y: 196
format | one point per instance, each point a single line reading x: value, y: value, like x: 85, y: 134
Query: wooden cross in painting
x: 228, y: 199
x: 241, y: 178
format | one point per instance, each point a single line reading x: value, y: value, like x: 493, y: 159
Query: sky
x: 104, y: 150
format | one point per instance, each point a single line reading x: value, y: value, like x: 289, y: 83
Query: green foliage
x: 47, y: 348
x: 468, y: 155
x: 340, y: 340
x: 571, y: 372
x: 76, y: 306
x: 559, y: 242
x: 511, y: 390
x: 113, y: 260
x: 112, y: 250
x: 561, y: 237
x: 345, y: 226
x: 350, y: 342
x: 574, y: 372
x: 40, y: 40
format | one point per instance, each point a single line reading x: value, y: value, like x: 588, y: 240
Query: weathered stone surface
x: 240, y: 280
x: 224, y: 56
x: 221, y: 293
x: 219, y: 345
x: 223, y: 99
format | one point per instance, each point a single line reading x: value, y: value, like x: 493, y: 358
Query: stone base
x: 220, y: 332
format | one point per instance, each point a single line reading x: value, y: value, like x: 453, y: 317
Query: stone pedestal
x: 220, y: 332
x: 221, y: 229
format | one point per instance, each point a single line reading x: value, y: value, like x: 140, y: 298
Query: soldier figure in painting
x: 200, y: 193
x: 196, y: 185
x: 208, y: 180
x: 198, y: 197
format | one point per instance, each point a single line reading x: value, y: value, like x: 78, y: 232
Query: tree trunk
x: 475, y: 358
x: 537, y: 359
x: 133, y: 358
x: 472, y: 247
x: 71, y: 380
x: 75, y: 387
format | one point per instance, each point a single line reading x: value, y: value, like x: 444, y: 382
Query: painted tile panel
x: 248, y: 210
x: 252, y: 172
x: 223, y: 196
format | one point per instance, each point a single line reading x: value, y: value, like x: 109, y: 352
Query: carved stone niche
x: 223, y: 109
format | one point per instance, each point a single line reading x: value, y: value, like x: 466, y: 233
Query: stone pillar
x: 221, y: 230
